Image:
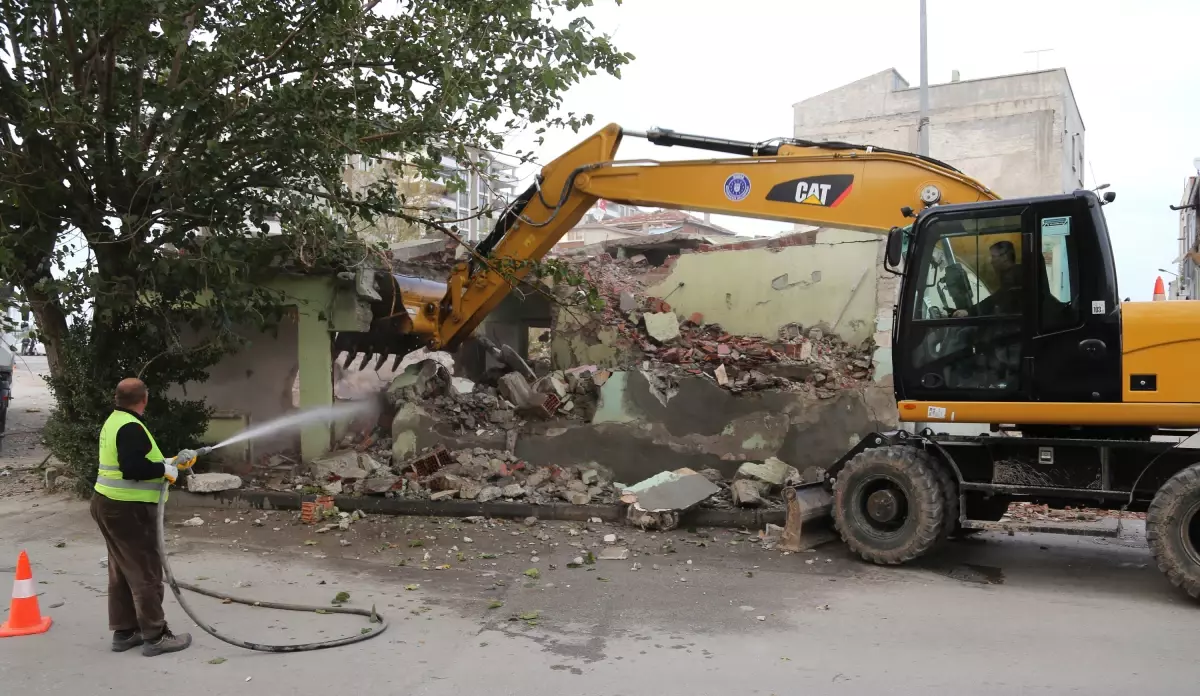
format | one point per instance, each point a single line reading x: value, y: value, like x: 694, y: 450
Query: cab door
x: 965, y: 327
x: 1076, y: 350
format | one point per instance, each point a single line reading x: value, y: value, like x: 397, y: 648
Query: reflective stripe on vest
x: 109, y: 482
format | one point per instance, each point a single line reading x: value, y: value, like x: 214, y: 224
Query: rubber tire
x: 1164, y: 527
x: 916, y: 473
x: 949, y: 485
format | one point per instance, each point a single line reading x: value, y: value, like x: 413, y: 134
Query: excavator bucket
x: 809, y: 520
x: 391, y: 333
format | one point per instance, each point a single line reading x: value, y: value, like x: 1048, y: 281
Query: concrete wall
x: 256, y: 384
x: 702, y: 426
x: 1015, y: 133
x: 831, y: 283
x: 252, y: 386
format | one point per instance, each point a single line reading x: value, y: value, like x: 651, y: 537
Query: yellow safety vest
x: 109, y: 482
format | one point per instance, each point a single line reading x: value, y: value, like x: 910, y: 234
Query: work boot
x: 166, y: 643
x: 124, y: 640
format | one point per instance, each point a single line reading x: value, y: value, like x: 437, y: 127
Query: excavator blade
x: 809, y: 520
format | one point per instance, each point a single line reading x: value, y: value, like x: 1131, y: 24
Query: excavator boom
x: 813, y: 183
x: 850, y: 186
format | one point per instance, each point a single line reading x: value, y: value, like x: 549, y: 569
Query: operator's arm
x: 132, y: 447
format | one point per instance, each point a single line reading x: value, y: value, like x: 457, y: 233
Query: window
x: 1059, y: 275
x: 968, y: 325
x: 972, y: 270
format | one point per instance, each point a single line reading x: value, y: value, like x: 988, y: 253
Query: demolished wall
x: 754, y: 291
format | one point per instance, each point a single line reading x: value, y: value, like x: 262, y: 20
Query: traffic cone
x: 24, y: 617
x: 1160, y: 292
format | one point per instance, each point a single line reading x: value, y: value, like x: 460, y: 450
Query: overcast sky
x: 734, y: 70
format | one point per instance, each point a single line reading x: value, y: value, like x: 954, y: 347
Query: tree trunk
x: 51, y: 324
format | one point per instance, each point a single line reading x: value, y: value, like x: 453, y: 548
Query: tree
x: 156, y: 137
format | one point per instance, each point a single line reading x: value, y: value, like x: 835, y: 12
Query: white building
x: 1183, y: 286
x: 483, y: 188
x: 1020, y: 135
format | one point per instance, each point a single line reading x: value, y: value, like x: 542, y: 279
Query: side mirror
x: 1110, y: 196
x: 895, y: 247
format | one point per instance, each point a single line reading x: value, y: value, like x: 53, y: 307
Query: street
x: 996, y: 614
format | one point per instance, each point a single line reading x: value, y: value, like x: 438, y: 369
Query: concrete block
x: 344, y: 465
x: 404, y: 447
x: 773, y: 471
x: 378, y: 485
x: 748, y: 492
x: 213, y: 483
x: 662, y: 326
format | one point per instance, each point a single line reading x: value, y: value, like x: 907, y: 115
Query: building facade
x: 1020, y: 135
x: 1183, y: 286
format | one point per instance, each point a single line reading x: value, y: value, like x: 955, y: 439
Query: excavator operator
x: 1007, y: 297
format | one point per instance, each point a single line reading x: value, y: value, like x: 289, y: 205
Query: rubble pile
x: 797, y: 358
x: 1040, y: 512
x: 470, y: 474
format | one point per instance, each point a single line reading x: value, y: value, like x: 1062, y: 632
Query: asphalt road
x: 1028, y: 614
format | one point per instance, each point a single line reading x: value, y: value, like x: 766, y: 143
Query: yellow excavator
x: 1007, y: 315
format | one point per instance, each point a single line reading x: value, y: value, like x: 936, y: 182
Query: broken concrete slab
x: 628, y: 301
x: 489, y: 493
x: 772, y: 471
x: 347, y: 464
x: 613, y: 553
x: 213, y: 483
x: 672, y: 490
x: 470, y: 490
x: 662, y: 326
x: 378, y: 485
x: 513, y: 490
x: 748, y: 492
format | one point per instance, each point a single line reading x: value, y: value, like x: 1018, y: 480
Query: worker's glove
x: 170, y: 471
x: 185, y: 459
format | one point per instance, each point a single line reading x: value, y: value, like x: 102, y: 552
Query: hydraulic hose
x: 375, y: 618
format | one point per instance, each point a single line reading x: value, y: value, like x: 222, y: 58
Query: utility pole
x: 923, y: 123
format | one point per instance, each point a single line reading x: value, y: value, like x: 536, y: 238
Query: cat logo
x: 826, y: 191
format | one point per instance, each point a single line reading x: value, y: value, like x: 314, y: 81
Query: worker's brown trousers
x: 135, y: 574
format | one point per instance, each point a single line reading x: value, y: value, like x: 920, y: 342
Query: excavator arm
x: 813, y: 183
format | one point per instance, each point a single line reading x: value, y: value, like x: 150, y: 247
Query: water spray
x: 322, y: 414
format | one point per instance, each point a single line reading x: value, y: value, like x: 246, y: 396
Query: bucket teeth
x: 396, y: 361
x: 365, y: 359
x: 382, y: 359
x: 350, y: 356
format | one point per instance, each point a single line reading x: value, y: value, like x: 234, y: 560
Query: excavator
x: 1007, y: 316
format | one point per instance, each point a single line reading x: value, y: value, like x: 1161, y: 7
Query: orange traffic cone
x: 1160, y: 292
x: 24, y: 617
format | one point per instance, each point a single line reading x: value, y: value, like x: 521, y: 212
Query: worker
x: 1008, y: 296
x: 128, y: 483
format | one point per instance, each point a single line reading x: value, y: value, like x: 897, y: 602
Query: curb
x: 282, y: 500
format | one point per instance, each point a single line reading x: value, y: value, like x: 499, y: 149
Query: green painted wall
x: 756, y: 291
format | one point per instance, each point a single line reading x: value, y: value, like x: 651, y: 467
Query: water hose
x: 380, y: 624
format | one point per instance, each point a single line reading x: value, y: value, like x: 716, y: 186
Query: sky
x: 733, y: 70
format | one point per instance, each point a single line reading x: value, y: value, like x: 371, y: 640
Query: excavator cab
x: 1009, y: 301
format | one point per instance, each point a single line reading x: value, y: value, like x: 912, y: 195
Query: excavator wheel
x: 890, y: 504
x: 1173, y: 529
x: 949, y: 485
